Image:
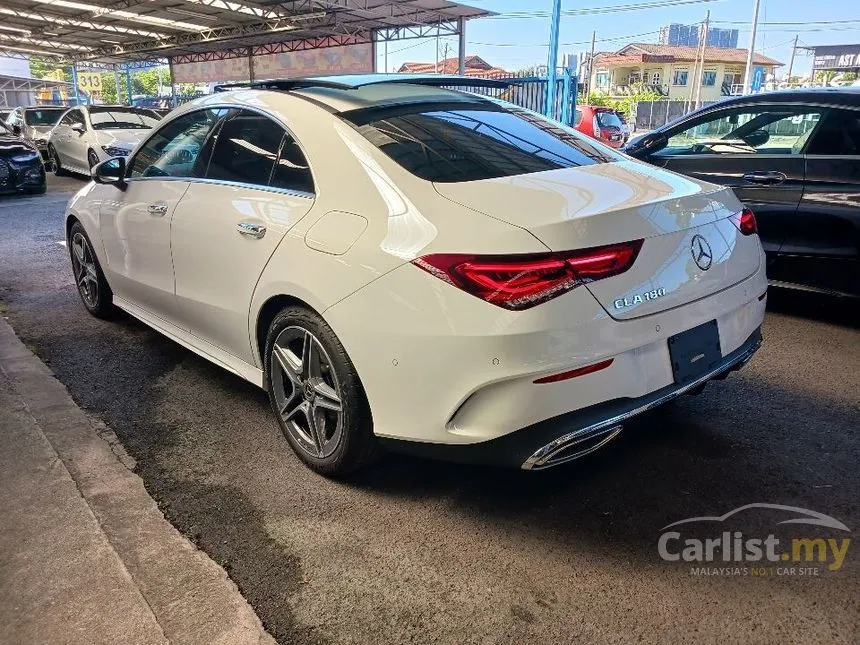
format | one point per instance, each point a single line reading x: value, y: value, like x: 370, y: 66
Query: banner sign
x: 344, y: 59
x: 837, y: 57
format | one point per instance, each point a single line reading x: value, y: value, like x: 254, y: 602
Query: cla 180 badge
x: 623, y: 303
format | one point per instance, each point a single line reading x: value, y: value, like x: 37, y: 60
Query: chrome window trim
x: 238, y: 106
x: 221, y: 182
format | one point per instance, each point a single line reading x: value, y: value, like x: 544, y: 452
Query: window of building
x: 680, y: 77
x: 709, y: 78
x: 602, y: 79
x: 655, y: 78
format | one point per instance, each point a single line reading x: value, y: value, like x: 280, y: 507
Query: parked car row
x: 67, y: 139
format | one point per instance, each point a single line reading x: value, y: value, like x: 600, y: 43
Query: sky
x: 514, y: 42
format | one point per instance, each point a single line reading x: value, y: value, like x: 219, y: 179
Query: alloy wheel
x: 84, y: 268
x: 307, y: 391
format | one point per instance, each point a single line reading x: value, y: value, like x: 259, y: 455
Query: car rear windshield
x: 43, y: 117
x: 454, y: 142
x: 123, y: 118
x: 608, y: 120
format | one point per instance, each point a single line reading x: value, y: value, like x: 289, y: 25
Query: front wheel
x: 91, y: 283
x: 92, y: 159
x: 55, y: 160
x: 316, y: 394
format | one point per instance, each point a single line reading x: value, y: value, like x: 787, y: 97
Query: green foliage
x: 624, y: 104
x: 43, y: 68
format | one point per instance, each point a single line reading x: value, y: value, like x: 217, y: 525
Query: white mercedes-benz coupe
x: 403, y: 265
x: 88, y: 134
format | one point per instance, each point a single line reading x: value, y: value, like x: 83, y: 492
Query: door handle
x: 158, y: 209
x: 768, y: 177
x: 251, y: 230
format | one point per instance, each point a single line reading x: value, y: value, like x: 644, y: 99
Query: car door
x: 821, y: 248
x: 77, y: 141
x: 754, y: 149
x: 226, y: 227
x: 59, y: 137
x: 135, y: 220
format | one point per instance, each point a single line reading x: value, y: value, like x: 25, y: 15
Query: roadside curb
x: 191, y: 597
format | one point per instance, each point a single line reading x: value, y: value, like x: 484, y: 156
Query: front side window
x: 454, y: 142
x: 246, y: 149
x: 122, y: 118
x: 747, y: 130
x: 46, y: 117
x: 176, y: 150
x: 680, y: 77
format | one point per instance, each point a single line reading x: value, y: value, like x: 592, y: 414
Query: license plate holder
x: 695, y: 352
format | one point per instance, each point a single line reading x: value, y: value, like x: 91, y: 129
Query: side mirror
x: 78, y: 127
x: 646, y: 144
x: 111, y: 171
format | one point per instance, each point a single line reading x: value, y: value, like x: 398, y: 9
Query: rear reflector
x: 580, y: 371
x: 521, y: 281
x: 745, y: 221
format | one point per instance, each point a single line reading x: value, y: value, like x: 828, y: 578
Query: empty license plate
x: 695, y: 352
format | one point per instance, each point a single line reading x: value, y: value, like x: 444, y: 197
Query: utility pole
x: 700, y: 78
x: 385, y: 45
x: 436, y: 67
x: 591, y: 64
x: 791, y: 64
x: 749, y: 70
x: 694, y: 76
x: 552, y: 58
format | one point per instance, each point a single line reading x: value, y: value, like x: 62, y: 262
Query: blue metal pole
x: 565, y: 97
x: 128, y: 84
x: 75, y: 83
x: 552, y: 59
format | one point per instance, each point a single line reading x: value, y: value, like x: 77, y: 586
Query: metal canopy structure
x: 110, y: 32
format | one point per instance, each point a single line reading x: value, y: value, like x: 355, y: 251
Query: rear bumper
x: 573, y: 435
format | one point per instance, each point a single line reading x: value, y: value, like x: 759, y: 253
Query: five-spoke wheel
x: 316, y: 394
x: 89, y: 279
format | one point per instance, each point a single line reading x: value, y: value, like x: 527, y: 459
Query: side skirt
x: 208, y: 351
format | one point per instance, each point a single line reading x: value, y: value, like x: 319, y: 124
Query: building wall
x: 718, y: 72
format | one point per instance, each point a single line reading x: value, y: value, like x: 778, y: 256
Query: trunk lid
x: 575, y: 208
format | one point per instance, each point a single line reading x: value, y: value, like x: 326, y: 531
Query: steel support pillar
x: 461, y: 51
x: 552, y: 58
x: 75, y: 83
x: 128, y: 85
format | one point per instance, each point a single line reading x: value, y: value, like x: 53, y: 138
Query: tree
x: 50, y: 68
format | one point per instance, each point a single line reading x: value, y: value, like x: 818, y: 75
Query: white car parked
x: 416, y: 268
x: 88, y: 134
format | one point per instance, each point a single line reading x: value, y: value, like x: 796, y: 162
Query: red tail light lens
x: 745, y: 221
x: 521, y: 281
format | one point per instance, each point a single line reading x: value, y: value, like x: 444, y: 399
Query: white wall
x: 15, y: 67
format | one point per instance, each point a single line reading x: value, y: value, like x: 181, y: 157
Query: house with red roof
x: 475, y: 66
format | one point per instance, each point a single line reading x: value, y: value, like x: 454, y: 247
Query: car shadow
x: 814, y: 306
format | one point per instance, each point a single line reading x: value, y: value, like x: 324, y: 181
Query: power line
x: 581, y: 42
x: 511, y: 15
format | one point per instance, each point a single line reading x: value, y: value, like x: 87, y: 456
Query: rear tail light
x: 745, y: 221
x: 521, y: 281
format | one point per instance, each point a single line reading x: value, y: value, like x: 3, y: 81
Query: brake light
x: 521, y: 281
x: 745, y: 221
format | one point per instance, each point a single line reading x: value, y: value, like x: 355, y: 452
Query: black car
x: 21, y: 169
x: 794, y: 158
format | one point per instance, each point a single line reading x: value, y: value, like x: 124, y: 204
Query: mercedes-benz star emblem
x: 702, y: 254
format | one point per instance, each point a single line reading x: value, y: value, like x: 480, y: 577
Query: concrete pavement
x: 86, y: 556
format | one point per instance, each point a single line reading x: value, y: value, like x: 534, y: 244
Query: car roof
x: 342, y: 93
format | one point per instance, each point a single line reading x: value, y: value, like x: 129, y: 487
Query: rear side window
x: 465, y: 142
x: 246, y: 149
x: 839, y: 135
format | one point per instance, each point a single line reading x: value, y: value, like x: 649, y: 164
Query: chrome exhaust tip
x: 570, y: 447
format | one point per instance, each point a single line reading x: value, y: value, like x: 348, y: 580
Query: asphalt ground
x: 422, y: 551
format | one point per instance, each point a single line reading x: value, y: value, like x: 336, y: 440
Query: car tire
x: 90, y: 281
x: 55, y: 159
x: 308, y: 375
x: 92, y: 159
